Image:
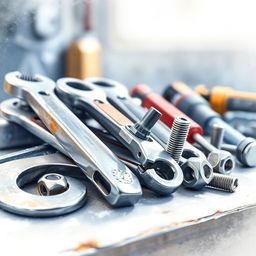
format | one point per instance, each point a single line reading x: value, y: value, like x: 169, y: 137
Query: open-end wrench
x: 221, y: 160
x: 199, y: 110
x: 99, y: 164
x: 157, y: 168
x: 197, y: 170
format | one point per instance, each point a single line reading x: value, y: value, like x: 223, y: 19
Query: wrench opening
x: 29, y: 78
x: 79, y: 86
x: 164, y: 170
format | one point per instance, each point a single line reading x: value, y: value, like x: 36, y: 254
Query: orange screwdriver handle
x: 169, y: 111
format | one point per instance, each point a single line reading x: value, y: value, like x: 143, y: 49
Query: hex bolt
x: 217, y: 135
x: 142, y: 128
x: 223, y: 182
x: 221, y: 160
x: 178, y: 137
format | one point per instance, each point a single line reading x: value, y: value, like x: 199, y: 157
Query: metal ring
x: 15, y: 174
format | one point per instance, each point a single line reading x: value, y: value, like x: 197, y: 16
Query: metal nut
x: 197, y: 173
x: 221, y: 161
x: 52, y: 184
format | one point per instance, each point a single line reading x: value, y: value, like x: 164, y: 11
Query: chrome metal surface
x: 222, y: 161
x: 17, y: 173
x: 91, y: 155
x: 118, y: 96
x: 52, y: 184
x: 178, y: 138
x: 217, y: 135
x: 158, y: 169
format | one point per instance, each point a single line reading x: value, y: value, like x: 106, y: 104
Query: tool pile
x: 116, y: 143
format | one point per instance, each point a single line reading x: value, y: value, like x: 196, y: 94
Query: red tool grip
x: 169, y: 111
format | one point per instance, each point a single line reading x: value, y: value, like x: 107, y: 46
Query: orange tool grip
x: 169, y: 111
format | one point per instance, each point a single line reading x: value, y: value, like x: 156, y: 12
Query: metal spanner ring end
x: 246, y: 152
x: 15, y: 174
x: 83, y: 94
x: 117, y: 184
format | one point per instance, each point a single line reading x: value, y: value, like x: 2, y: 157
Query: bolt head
x: 52, y: 184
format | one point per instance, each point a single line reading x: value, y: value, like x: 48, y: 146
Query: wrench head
x: 17, y: 84
x: 71, y: 90
x: 197, y: 173
x: 109, y: 86
x: 222, y: 161
x: 246, y: 151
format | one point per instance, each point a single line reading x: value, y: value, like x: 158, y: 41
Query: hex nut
x: 222, y: 161
x: 197, y: 173
x: 52, y: 184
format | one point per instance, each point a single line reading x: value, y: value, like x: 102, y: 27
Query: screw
x: 142, y: 128
x: 217, y: 135
x: 223, y: 182
x: 178, y: 137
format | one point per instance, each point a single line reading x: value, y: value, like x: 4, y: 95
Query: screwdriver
x: 221, y: 161
x: 223, y: 99
x: 199, y: 110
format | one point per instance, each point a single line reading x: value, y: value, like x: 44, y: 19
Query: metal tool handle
x: 169, y: 111
x: 163, y: 173
x: 99, y: 164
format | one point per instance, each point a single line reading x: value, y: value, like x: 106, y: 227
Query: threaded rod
x: 223, y: 182
x: 178, y: 137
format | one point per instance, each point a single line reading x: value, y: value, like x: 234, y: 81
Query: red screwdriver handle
x: 169, y: 111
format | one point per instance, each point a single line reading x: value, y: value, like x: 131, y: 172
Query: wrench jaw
x: 221, y: 161
x: 110, y: 87
x: 18, y: 85
x: 74, y: 91
x: 163, y: 177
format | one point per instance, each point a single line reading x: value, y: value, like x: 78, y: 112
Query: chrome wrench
x: 158, y: 170
x: 25, y: 117
x: 196, y: 168
x: 99, y: 164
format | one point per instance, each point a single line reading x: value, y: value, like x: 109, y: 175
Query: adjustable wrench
x: 158, y: 169
x: 113, y: 179
x: 197, y: 170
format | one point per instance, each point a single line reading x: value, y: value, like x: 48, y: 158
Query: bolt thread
x: 224, y: 182
x: 178, y: 137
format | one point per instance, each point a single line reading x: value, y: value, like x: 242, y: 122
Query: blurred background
x: 150, y: 41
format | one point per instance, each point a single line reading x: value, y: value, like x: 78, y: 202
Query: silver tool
x: 12, y: 136
x: 15, y: 174
x: 99, y: 164
x: 217, y: 135
x: 26, y: 118
x: 158, y: 169
x: 196, y: 169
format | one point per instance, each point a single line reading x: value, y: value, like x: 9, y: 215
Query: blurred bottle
x: 83, y: 58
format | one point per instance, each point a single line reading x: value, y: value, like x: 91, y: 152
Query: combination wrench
x: 118, y: 185
x: 157, y: 168
x: 197, y: 170
x: 26, y: 118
